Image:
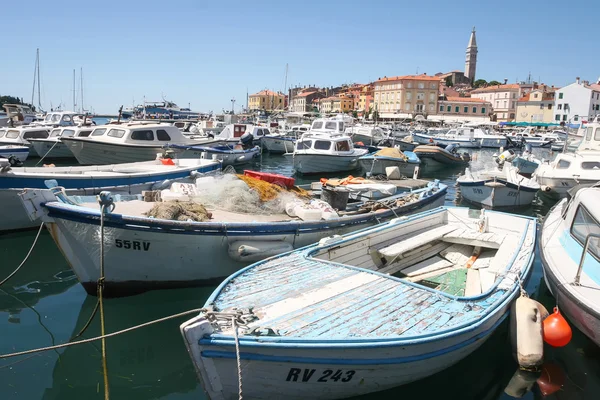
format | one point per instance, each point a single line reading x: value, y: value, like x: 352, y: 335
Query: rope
x: 237, y: 356
x: 26, y: 257
x: 55, y: 143
x: 106, y: 336
x: 100, y: 289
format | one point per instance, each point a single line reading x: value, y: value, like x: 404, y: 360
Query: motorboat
x: 19, y: 153
x: 146, y: 252
x: 436, y: 157
x: 368, y: 135
x: 16, y: 114
x: 227, y: 154
x: 363, y: 312
x: 20, y: 135
x: 571, y: 169
x: 53, y: 147
x: 531, y: 137
x: 127, y: 178
x: 63, y: 118
x: 325, y: 149
x: 526, y: 163
x: 376, y: 163
x: 280, y: 143
x: 498, y: 187
x: 464, y: 136
x: 570, y: 250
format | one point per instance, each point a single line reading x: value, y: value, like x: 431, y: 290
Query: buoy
x: 521, y: 383
x: 557, y: 332
x: 551, y: 379
x: 526, y: 332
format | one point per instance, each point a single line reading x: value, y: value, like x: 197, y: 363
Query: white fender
x: 526, y: 332
x: 252, y: 251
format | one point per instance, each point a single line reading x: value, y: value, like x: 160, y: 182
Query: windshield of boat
x: 68, y: 133
x: 330, y: 125
x: 55, y: 118
x: 85, y: 133
x: 322, y: 145
x: 99, y: 132
x: 317, y: 125
x: 2, y: 132
x: 584, y: 225
x: 12, y: 134
x: 48, y: 118
x: 303, y: 144
x: 118, y: 133
x: 35, y: 134
x: 55, y: 133
x: 343, y: 146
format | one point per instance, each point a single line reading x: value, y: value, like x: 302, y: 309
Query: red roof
x: 306, y: 93
x: 266, y: 92
x: 410, y: 77
x: 497, y: 88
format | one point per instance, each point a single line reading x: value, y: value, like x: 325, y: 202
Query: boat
x: 19, y: 153
x: 497, y: 187
x: 530, y: 137
x: 16, y: 114
x: 144, y: 253
x: 526, y: 163
x: 20, y: 135
x: 368, y: 135
x: 128, y: 178
x: 464, y: 136
x: 435, y: 157
x: 377, y: 162
x: 571, y: 169
x: 570, y: 253
x: 159, y: 110
x: 227, y: 154
x: 52, y: 146
x: 325, y: 149
x: 128, y: 142
x: 279, y: 143
x: 363, y: 312
x: 63, y: 118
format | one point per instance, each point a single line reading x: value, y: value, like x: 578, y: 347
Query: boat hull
x: 227, y: 158
x: 98, y: 153
x: 50, y: 149
x: 19, y: 152
x: 495, y: 194
x: 278, y: 145
x: 377, y: 165
x: 324, y: 163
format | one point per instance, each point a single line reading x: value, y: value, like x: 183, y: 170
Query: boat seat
x: 473, y: 238
x: 396, y: 250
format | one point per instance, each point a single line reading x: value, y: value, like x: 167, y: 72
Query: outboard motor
x: 507, y: 155
x: 451, y: 148
x: 247, y: 139
x: 14, y: 161
x: 528, y: 148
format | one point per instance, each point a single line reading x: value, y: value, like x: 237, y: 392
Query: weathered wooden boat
x: 130, y: 178
x: 435, y: 157
x: 364, y: 312
x: 143, y: 253
x: 497, y: 187
x: 18, y: 152
x: 377, y: 162
x: 570, y: 249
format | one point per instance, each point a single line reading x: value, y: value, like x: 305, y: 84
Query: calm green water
x: 44, y: 304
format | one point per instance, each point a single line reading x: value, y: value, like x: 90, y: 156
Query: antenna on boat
x: 74, y: 91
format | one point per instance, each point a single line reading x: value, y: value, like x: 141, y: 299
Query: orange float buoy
x: 551, y: 380
x: 557, y: 332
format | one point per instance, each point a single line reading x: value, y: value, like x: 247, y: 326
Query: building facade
x: 408, y: 94
x: 304, y: 100
x: 266, y: 100
x: 365, y: 99
x: 536, y: 106
x: 503, y: 99
x: 578, y: 102
x: 464, y: 109
x: 336, y: 104
x: 471, y: 59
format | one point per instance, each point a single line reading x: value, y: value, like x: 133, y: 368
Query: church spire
x: 471, y: 59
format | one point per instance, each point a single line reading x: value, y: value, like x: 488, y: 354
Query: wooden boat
x: 377, y: 162
x: 144, y: 253
x: 570, y: 252
x: 497, y: 187
x: 434, y: 157
x: 130, y: 178
x: 364, y: 312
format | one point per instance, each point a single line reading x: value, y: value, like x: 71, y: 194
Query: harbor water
x: 43, y: 305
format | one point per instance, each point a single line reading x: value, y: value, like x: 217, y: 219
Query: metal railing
x: 582, y: 259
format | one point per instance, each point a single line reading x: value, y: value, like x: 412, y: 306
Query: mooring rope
x: 26, y: 257
x: 100, y: 289
x: 41, y: 159
x: 237, y: 356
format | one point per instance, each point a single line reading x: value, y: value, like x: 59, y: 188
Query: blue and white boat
x: 18, y: 152
x: 570, y: 249
x: 144, y: 253
x: 364, y: 312
x: 129, y: 178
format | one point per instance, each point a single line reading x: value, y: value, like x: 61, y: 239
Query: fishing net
x: 180, y: 211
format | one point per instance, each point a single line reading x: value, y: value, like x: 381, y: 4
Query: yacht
x: 159, y: 110
x: 53, y: 147
x: 571, y: 169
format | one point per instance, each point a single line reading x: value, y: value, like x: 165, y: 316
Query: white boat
x: 530, y: 137
x: 52, y: 147
x: 570, y: 252
x: 368, y: 135
x: 280, y: 143
x: 465, y: 136
x: 16, y: 114
x: 227, y: 154
x: 325, y: 149
x: 143, y: 253
x: 128, y: 178
x: 526, y: 163
x: 497, y: 188
x: 570, y: 169
x: 20, y: 135
x: 376, y: 163
x: 19, y: 153
x: 63, y: 118
x: 364, y: 312
x: 435, y: 157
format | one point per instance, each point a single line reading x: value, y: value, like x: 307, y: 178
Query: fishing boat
x: 325, y: 149
x: 129, y: 178
x: 526, y: 163
x: 495, y: 188
x: 144, y: 253
x: 19, y: 153
x: 363, y: 312
x: 435, y: 157
x: 20, y: 136
x: 52, y: 147
x: 570, y: 252
x: 571, y: 169
x: 279, y: 143
x: 377, y: 162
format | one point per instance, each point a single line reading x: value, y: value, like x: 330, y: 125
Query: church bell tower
x: 471, y: 60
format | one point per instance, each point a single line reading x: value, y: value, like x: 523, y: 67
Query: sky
x: 207, y: 53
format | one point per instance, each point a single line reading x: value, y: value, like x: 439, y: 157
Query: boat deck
x: 331, y: 301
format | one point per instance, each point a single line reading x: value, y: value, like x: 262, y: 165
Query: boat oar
x: 474, y: 256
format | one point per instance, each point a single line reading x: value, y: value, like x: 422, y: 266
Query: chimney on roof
x: 505, y: 80
x: 577, y: 80
x: 586, y: 83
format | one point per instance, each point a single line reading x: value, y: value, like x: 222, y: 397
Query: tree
x: 479, y: 83
x: 494, y: 83
x: 355, y: 114
x: 13, y: 100
x: 375, y: 115
x: 449, y: 81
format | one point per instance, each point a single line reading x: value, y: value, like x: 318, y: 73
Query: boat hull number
x: 132, y: 245
x: 311, y: 375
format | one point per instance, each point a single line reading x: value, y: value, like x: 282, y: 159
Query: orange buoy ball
x: 556, y: 329
x: 551, y: 380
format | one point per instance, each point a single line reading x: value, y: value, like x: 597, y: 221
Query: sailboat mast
x: 39, y: 83
x: 35, y: 69
x: 74, y: 91
x: 81, y: 86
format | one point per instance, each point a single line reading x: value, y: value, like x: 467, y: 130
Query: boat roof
x: 589, y: 198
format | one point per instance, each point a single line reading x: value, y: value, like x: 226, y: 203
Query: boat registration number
x: 132, y: 245
x: 311, y: 375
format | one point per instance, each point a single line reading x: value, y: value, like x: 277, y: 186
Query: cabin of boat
x: 323, y: 125
x: 18, y: 114
x: 236, y: 131
x: 320, y: 143
x: 20, y: 135
x: 62, y: 118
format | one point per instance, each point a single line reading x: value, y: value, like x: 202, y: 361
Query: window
x: 420, y: 96
x: 2, y: 133
x: 303, y: 145
x: 559, y: 107
x: 512, y: 116
x: 557, y: 117
x: 590, y: 165
x: 341, y: 126
x: 140, y: 135
x: 68, y: 133
x: 12, y: 134
x: 456, y: 108
x: 597, y: 107
x: 542, y: 106
x: 576, y: 118
x: 597, y: 135
x: 565, y: 117
x: 483, y: 110
x: 407, y: 107
x: 550, y: 106
x: 431, y: 96
x: 448, y: 108
x: 560, y: 95
x: 566, y: 106
x: 322, y: 145
x: 329, y: 125
x: 317, y: 125
x: 563, y: 164
x: 35, y: 135
x: 474, y: 110
x: 161, y: 134
x: 441, y: 108
x: 431, y: 107
x: 433, y: 86
x: 343, y: 146
x: 465, y: 109
x: 505, y: 105
x: 535, y: 96
x: 584, y: 225
x: 55, y: 133
x: 84, y: 133
x: 408, y: 96
x: 99, y: 132
x: 118, y: 133
x: 409, y: 85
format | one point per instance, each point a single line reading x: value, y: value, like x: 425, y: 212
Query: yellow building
x: 536, y: 106
x: 409, y: 94
x: 266, y: 100
x: 336, y: 104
